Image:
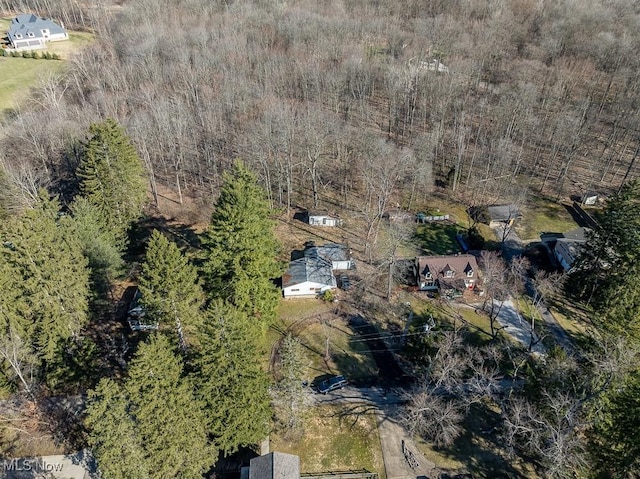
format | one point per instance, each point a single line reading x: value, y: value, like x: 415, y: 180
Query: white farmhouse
x: 30, y: 32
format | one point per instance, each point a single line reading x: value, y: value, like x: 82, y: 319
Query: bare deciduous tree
x: 434, y: 417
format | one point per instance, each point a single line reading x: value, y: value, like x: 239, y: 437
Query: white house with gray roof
x: 30, y: 32
x: 307, y: 277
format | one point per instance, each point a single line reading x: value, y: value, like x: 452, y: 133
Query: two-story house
x: 447, y: 274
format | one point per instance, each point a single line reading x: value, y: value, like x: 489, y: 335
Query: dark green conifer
x: 112, y: 177
x: 50, y: 280
x: 168, y: 416
x: 241, y: 247
x: 605, y: 274
x: 171, y: 293
x: 231, y: 381
x: 113, y: 437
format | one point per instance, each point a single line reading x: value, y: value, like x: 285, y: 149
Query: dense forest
x: 259, y: 107
x: 331, y: 100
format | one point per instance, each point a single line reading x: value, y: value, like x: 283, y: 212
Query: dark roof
x: 503, y: 212
x: 437, y: 265
x: 316, y: 270
x: 275, y: 465
x: 328, y: 252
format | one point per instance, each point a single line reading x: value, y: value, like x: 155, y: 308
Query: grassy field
x: 19, y: 75
x: 544, y: 216
x: 314, y: 322
x: 347, y: 355
x: 335, y: 439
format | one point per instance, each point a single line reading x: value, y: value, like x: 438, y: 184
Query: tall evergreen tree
x: 241, y: 247
x: 113, y: 434
x: 50, y: 279
x: 171, y: 293
x: 112, y: 177
x: 99, y: 244
x: 605, y: 275
x: 615, y: 436
x: 18, y: 358
x: 153, y: 425
x: 169, y: 418
x: 231, y: 381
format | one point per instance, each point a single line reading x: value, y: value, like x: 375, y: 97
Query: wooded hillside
x: 339, y: 98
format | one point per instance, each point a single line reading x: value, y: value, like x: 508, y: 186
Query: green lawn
x: 347, y: 354
x: 313, y: 321
x: 19, y: 75
x: 336, y: 439
x: 438, y: 238
x: 544, y: 216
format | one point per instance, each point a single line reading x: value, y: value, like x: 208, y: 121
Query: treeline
x: 196, y: 386
x: 334, y: 101
x: 55, y: 259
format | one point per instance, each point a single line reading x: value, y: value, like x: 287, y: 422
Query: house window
x: 18, y: 35
x: 30, y: 34
x: 295, y: 290
x: 448, y: 274
x: 324, y: 221
x: 427, y: 275
x: 470, y: 273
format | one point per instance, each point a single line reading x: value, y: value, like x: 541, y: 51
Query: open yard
x: 544, y: 216
x: 320, y: 329
x: 335, y: 439
x: 438, y: 238
x: 18, y: 75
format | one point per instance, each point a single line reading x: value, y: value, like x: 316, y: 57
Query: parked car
x: 331, y: 384
x: 345, y: 283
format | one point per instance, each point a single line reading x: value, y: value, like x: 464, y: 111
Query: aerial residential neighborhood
x: 319, y: 240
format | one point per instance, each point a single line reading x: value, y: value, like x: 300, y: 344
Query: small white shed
x: 316, y: 218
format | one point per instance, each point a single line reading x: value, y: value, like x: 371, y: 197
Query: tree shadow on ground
x: 480, y: 448
x: 183, y: 235
x: 575, y: 215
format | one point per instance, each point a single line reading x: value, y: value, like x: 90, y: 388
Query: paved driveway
x: 517, y: 327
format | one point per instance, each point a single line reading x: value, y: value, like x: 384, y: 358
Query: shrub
x: 327, y: 296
